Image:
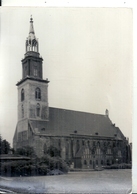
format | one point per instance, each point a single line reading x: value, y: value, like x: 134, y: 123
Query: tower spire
x: 32, y: 41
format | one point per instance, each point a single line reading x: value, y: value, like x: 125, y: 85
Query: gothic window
x: 22, y: 95
x: 72, y: 147
x: 98, y: 144
x: 87, y: 153
x: 38, y: 94
x: 108, y: 143
x: 67, y: 150
x: 22, y: 111
x: 94, y: 144
x: 98, y: 151
x: 114, y: 144
x: 109, y: 151
x: 38, y: 110
x: 117, y: 144
x: 119, y: 153
x: 77, y: 145
x: 59, y: 143
x: 83, y: 143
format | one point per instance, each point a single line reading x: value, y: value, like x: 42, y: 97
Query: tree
x: 53, y: 152
x: 4, y: 146
x: 0, y: 143
x: 26, y: 151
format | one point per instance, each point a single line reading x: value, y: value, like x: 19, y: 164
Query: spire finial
x: 31, y: 19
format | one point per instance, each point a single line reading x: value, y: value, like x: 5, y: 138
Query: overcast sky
x: 87, y: 56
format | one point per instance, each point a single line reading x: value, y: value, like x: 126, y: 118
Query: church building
x: 85, y: 140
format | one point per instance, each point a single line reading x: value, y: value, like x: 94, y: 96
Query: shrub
x: 119, y: 166
x: 54, y: 163
x: 36, y: 166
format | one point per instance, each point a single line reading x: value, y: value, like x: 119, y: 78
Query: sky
x: 88, y: 59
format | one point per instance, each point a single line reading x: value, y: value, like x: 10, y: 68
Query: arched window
x: 119, y: 153
x: 59, y: 143
x: 77, y: 146
x: 38, y: 110
x: 67, y: 150
x: 98, y: 151
x: 109, y: 151
x: 22, y: 95
x: 38, y: 94
x: 22, y: 110
x: 94, y: 143
x: 98, y: 144
x: 83, y: 142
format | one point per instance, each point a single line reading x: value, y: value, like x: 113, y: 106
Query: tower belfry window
x: 25, y: 71
x: 22, y: 95
x: 38, y: 94
x: 38, y: 110
x: 35, y: 72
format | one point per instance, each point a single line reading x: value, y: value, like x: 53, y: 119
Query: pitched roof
x: 64, y: 122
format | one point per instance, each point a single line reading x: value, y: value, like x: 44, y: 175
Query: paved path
x: 95, y: 182
x: 5, y: 191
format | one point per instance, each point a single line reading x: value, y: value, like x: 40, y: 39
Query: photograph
x: 66, y: 84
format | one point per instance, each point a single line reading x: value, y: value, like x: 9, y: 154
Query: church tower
x: 32, y: 89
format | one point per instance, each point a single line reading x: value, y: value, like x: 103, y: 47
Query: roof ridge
x: 79, y: 111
